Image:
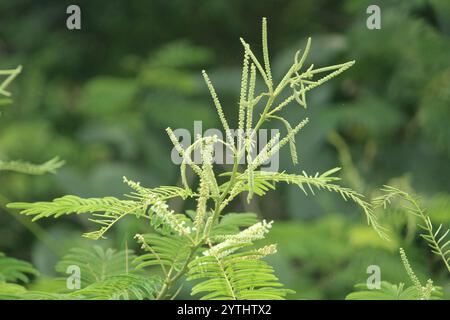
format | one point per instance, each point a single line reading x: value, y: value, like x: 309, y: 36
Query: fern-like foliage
x: 210, y: 247
x: 436, y: 238
x: 22, y: 166
x: 104, y: 275
x: 232, y: 223
x: 168, y: 252
x: 389, y: 291
x: 33, y: 169
x: 105, y: 211
x: 97, y: 264
x: 264, y: 181
x: 239, y: 276
x: 12, y: 270
x: 120, y: 287
x: 231, y: 273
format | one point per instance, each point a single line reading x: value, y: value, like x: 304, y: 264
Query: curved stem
x: 169, y: 281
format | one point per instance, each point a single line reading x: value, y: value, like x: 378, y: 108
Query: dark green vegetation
x: 100, y: 99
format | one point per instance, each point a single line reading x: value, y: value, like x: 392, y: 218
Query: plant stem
x: 170, y: 281
x: 218, y: 203
x: 236, y: 160
x: 429, y: 226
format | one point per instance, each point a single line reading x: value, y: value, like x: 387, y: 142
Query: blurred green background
x: 100, y: 98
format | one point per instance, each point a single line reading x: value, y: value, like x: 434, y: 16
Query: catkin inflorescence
x: 255, y: 232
